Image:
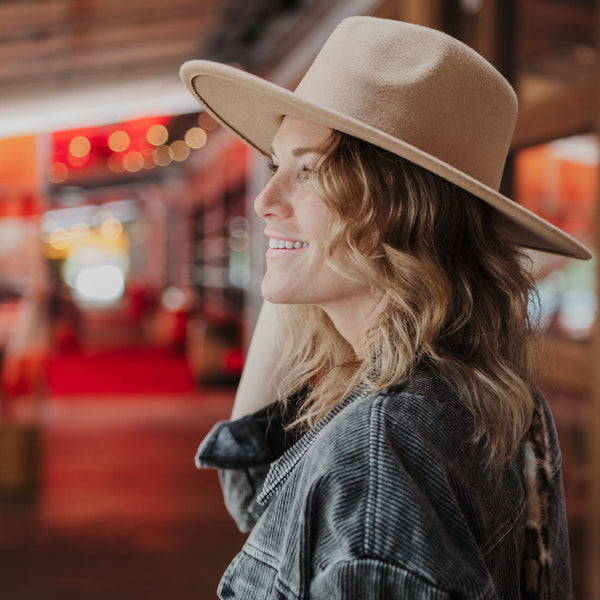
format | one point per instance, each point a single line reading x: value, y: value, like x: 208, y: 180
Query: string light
x: 115, y: 163
x: 118, y: 141
x: 157, y: 135
x: 111, y: 228
x: 207, y: 122
x: 196, y: 137
x: 179, y: 150
x: 79, y: 230
x: 58, y: 172
x: 59, y: 238
x: 79, y: 146
x: 162, y: 156
x: 133, y: 161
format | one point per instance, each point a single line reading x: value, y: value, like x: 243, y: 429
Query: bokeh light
x: 179, y: 150
x: 102, y: 282
x: 118, y: 141
x: 196, y: 137
x: 111, y: 228
x: 79, y: 146
x: 157, y: 135
x: 162, y: 156
x: 133, y: 161
x: 59, y: 238
x: 207, y: 122
x: 79, y: 231
x: 115, y: 163
x: 58, y: 172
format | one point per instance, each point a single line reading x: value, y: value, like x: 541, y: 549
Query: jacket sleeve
x: 242, y: 451
x: 370, y: 578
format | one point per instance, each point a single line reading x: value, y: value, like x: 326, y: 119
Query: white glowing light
x: 102, y: 283
x: 173, y: 298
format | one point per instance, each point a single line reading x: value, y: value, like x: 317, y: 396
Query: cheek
x: 322, y: 223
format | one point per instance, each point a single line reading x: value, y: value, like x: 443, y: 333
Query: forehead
x: 294, y: 133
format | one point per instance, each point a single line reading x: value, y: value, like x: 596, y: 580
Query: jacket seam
x: 393, y: 565
x: 275, y: 565
x: 487, y: 550
x: 279, y: 582
x: 369, y: 530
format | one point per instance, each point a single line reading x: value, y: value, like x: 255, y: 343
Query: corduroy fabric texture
x: 387, y: 499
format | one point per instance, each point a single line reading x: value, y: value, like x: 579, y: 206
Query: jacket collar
x: 282, y: 468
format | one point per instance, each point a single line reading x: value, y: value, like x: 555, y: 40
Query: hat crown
x: 418, y: 85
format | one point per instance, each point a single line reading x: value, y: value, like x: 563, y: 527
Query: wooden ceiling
x: 58, y: 42
x: 556, y: 47
x: 54, y: 44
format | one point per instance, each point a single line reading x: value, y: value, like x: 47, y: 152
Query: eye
x: 272, y: 166
x: 307, y: 170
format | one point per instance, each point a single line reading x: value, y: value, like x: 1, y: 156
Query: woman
x: 410, y: 454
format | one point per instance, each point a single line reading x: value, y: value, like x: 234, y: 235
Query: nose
x: 272, y: 200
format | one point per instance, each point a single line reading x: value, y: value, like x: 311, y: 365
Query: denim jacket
x: 387, y: 497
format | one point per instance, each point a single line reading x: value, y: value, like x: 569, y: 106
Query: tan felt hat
x: 414, y: 91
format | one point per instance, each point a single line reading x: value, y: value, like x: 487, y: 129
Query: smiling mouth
x: 286, y: 244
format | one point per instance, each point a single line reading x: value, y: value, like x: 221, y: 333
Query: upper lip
x: 280, y: 236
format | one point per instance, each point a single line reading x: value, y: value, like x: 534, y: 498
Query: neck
x: 353, y: 318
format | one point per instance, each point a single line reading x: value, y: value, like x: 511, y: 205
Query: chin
x: 274, y: 296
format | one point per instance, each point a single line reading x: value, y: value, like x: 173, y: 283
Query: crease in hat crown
x: 412, y: 90
x: 423, y: 87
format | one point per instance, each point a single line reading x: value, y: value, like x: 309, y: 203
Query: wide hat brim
x: 253, y: 108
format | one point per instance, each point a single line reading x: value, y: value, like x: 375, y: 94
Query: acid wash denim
x: 388, y: 497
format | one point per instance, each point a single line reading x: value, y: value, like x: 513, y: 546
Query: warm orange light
x: 58, y: 172
x: 133, y: 161
x: 59, y: 238
x: 207, y: 122
x: 79, y: 231
x: 162, y: 156
x: 148, y: 158
x: 179, y: 150
x: 79, y: 146
x: 118, y: 141
x: 195, y: 137
x: 115, y: 163
x: 157, y: 135
x: 111, y: 228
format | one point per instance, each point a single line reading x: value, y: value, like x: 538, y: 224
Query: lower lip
x: 276, y: 252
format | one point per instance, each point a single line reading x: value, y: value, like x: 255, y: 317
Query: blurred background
x: 130, y: 264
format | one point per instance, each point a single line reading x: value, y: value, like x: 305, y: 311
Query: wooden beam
x: 421, y: 12
x: 573, y: 111
x: 496, y: 35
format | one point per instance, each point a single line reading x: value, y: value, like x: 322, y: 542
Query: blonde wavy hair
x: 457, y: 297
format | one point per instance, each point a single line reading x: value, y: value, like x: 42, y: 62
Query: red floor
x: 122, y: 513
x: 155, y: 371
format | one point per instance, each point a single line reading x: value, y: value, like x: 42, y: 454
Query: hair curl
x: 457, y: 296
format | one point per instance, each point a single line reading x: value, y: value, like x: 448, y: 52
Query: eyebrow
x: 300, y: 151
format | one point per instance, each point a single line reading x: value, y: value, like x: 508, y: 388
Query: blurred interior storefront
x: 126, y: 221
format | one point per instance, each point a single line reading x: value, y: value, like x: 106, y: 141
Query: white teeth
x: 286, y: 244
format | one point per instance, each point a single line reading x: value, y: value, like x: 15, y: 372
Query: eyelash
x: 304, y: 168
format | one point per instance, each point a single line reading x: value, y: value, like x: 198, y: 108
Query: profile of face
x: 299, y: 225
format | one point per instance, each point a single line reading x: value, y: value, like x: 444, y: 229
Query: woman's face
x: 299, y: 224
